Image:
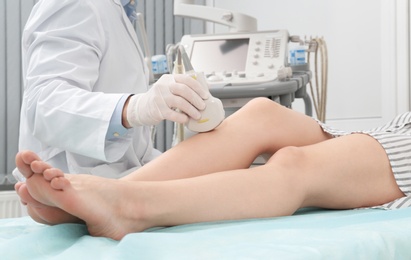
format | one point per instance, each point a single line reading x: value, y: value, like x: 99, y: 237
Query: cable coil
x: 319, y: 89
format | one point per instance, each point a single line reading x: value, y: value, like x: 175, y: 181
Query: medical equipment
x: 238, y: 58
x: 242, y: 57
x: 159, y: 65
x: 144, y: 39
x: 214, y: 113
x: 18, y: 175
x: 319, y: 91
x: 211, y: 116
x: 246, y: 63
x: 317, y: 47
x: 242, y: 66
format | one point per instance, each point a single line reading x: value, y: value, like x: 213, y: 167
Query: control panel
x: 238, y: 58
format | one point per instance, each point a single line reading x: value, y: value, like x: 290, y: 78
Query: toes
x: 60, y: 183
x: 52, y: 173
x: 23, y: 165
x: 25, y: 196
x: 18, y: 189
x: 40, y: 212
x: 29, y: 163
x: 38, y: 166
x: 28, y: 157
x: 17, y: 186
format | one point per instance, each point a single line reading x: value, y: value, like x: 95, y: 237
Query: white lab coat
x: 79, y: 57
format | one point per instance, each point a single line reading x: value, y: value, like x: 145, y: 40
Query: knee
x: 257, y: 105
x: 289, y: 165
x: 256, y: 111
x: 290, y: 159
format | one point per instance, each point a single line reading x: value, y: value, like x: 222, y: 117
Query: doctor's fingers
x: 201, y: 90
x: 182, y: 91
x: 175, y: 116
x: 179, y: 109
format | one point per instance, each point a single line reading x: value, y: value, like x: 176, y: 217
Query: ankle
x: 137, y: 209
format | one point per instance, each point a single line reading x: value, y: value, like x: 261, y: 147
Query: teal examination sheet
x: 308, y: 234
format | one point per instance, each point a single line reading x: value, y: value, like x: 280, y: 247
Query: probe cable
x: 319, y: 92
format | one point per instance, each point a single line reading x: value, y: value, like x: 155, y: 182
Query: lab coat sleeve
x: 62, y: 49
x: 116, y: 128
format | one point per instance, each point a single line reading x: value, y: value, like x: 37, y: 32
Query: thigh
x: 347, y: 172
x: 266, y: 126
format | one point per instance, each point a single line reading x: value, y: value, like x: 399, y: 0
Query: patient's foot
x: 94, y: 200
x: 38, y: 211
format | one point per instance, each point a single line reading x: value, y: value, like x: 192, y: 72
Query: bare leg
x: 346, y: 172
x: 342, y: 173
x: 261, y: 126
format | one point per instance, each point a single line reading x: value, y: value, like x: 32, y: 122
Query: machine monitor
x: 220, y: 55
x: 238, y: 58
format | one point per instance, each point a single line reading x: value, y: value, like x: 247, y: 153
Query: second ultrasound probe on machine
x: 214, y: 112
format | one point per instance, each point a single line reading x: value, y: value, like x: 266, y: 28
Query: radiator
x: 10, y: 206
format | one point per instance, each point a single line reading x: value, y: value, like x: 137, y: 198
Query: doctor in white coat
x: 87, y: 105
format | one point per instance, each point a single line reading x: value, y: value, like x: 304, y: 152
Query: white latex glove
x: 173, y: 97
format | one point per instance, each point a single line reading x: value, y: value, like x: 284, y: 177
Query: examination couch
x: 309, y: 234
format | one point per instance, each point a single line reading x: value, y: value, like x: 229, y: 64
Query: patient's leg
x: 261, y: 126
x: 347, y: 172
x: 73, y: 198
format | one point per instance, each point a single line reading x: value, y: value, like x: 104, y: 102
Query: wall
x: 367, y: 41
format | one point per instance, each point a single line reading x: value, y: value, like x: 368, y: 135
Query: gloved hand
x: 172, y: 97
